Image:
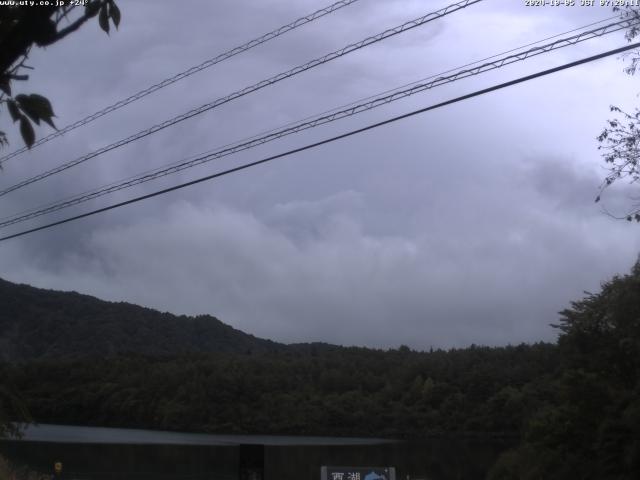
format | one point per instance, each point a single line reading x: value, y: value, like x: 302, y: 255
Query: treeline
x: 574, y: 407
x: 339, y: 391
x: 46, y: 324
x: 589, y: 425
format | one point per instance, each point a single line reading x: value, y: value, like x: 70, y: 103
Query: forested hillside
x: 345, y: 391
x: 589, y: 424
x: 37, y: 323
x: 572, y: 407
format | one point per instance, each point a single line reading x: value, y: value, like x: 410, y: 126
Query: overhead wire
x: 475, y: 62
x: 184, y: 74
x: 353, y: 109
x: 328, y: 140
x: 239, y: 93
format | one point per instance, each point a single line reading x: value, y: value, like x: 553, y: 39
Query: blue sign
x: 357, y: 473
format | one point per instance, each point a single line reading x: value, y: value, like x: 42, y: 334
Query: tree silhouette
x: 24, y: 27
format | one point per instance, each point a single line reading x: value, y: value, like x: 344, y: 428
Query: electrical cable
x: 328, y: 140
x: 186, y: 73
x: 239, y: 93
x: 321, y: 120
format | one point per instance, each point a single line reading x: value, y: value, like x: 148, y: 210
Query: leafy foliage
x: 80, y: 360
x: 13, y: 411
x: 620, y: 139
x: 21, y: 28
x: 36, y: 323
x: 590, y: 427
x: 337, y: 391
x: 574, y: 406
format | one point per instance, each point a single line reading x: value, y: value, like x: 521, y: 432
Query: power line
x: 475, y: 62
x: 329, y: 140
x: 373, y: 102
x: 254, y: 141
x: 186, y: 73
x: 239, y: 93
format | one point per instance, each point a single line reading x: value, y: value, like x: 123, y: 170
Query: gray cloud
x: 470, y: 224
x: 309, y: 270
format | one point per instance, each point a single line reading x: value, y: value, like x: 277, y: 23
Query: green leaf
x: 26, y: 107
x: 103, y: 19
x: 42, y: 104
x: 49, y: 121
x: 5, y: 84
x: 43, y: 107
x: 45, y: 32
x: 92, y: 8
x: 37, y: 108
x: 26, y: 130
x: 13, y: 110
x: 114, y: 13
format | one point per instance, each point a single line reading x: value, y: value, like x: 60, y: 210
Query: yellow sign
x: 57, y: 467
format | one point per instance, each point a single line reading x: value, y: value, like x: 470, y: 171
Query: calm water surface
x: 126, y: 454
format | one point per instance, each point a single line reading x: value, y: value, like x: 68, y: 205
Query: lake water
x: 89, y: 453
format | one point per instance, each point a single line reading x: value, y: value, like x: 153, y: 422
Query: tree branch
x: 68, y: 29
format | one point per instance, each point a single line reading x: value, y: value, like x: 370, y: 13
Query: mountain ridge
x: 37, y: 323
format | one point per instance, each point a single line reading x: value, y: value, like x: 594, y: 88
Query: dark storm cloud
x: 471, y: 224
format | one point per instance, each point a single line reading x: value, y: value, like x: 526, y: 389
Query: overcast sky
x: 474, y: 223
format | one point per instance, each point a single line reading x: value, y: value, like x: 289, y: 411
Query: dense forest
x: 37, y: 323
x: 572, y: 407
x: 346, y: 391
